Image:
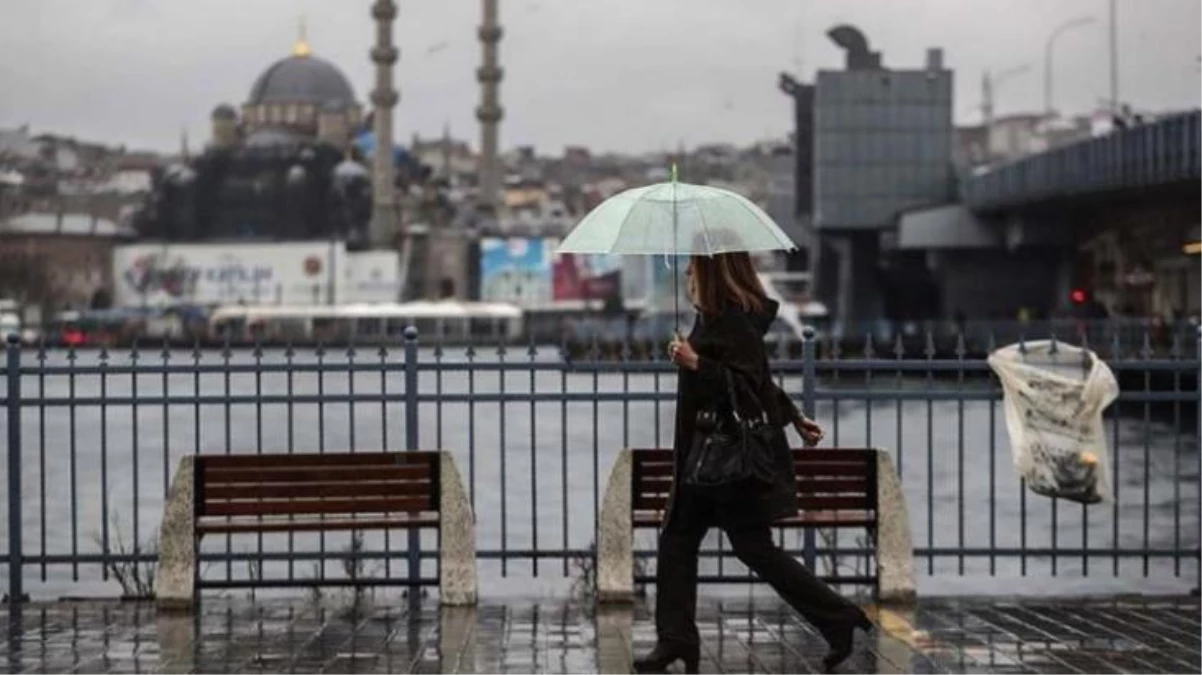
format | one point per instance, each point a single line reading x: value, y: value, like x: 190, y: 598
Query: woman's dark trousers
x: 676, y: 573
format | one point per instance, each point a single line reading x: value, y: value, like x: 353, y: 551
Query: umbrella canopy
x: 676, y: 219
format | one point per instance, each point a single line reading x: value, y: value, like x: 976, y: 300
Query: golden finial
x: 302, y: 40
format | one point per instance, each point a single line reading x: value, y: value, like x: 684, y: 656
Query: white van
x: 10, y: 324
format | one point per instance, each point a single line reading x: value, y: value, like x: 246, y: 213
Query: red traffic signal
x: 1078, y: 296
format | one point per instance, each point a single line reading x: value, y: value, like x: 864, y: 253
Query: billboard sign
x: 586, y: 277
x: 288, y: 273
x: 516, y: 270
x: 371, y: 276
x: 527, y: 272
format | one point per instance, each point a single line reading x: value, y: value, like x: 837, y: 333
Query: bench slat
x: 652, y: 454
x: 407, y: 458
x: 654, y: 483
x: 839, y: 502
x: 851, y: 518
x: 314, y: 474
x: 654, y: 469
x: 650, y: 500
x: 832, y: 483
x: 803, y: 466
x: 800, y: 454
x: 311, y: 490
x: 235, y: 527
x: 808, y: 485
x: 648, y: 519
x: 811, y: 469
x: 315, y: 506
x: 809, y: 502
x: 834, y: 455
x: 854, y: 518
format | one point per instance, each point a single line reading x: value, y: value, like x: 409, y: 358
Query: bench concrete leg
x: 177, y: 642
x: 175, y: 579
x: 615, y: 555
x: 894, y: 549
x: 894, y: 638
x: 457, y: 554
x: 457, y: 640
x: 614, y: 638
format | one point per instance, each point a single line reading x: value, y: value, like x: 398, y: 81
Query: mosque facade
x: 291, y: 164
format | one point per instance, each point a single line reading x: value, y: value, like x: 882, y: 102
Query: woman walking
x: 726, y: 346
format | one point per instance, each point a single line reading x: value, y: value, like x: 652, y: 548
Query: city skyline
x: 122, y: 71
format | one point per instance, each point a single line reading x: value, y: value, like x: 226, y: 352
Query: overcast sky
x: 627, y: 75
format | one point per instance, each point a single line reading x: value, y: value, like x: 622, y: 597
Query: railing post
x: 411, y: 439
x: 808, y: 384
x: 1197, y: 449
x: 16, y: 593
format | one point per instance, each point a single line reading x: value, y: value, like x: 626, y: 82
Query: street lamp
x: 1047, y: 57
x: 1114, y: 58
x: 989, y: 84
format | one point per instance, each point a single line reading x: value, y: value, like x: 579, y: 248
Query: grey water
x: 94, y: 476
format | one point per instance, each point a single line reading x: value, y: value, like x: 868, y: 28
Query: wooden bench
x: 240, y: 494
x: 837, y: 489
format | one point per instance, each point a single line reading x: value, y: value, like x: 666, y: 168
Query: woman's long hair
x: 726, y: 281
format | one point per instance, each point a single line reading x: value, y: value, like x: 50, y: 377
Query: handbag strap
x: 734, y: 403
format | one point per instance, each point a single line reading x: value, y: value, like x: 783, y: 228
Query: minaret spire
x: 446, y: 151
x: 385, y: 222
x: 490, y: 112
x: 302, y: 38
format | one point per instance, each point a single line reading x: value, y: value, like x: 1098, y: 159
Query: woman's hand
x: 681, y: 353
x: 810, y: 431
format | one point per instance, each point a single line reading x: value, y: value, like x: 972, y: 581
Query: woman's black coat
x: 733, y: 342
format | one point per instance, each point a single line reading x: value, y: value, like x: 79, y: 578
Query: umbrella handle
x: 676, y: 294
x: 675, y: 260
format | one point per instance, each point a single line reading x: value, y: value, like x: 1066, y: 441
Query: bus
x: 443, y: 321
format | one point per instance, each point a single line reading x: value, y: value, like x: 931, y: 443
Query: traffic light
x: 1078, y: 296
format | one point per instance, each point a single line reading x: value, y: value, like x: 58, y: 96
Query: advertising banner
x: 287, y: 273
x: 586, y: 277
x: 371, y: 276
x: 516, y: 270
x: 527, y: 272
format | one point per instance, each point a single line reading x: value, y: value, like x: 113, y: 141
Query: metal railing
x: 92, y: 439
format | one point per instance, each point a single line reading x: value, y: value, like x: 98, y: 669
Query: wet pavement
x: 980, y: 635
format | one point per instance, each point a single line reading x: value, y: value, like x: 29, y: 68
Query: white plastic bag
x: 1054, y: 397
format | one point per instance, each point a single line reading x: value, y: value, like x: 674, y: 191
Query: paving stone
x: 957, y: 635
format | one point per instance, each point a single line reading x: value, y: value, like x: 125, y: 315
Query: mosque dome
x: 302, y: 79
x: 298, y: 100
x: 224, y: 112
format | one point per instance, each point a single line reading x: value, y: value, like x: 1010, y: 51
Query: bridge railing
x: 1162, y: 152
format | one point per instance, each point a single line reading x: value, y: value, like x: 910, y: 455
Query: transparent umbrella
x: 675, y: 219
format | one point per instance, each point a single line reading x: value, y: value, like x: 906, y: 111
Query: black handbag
x: 730, y: 450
